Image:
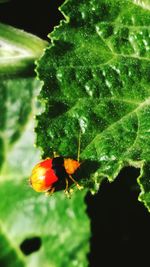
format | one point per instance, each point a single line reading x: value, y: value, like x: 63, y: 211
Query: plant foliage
x: 61, y: 224
x: 96, y: 82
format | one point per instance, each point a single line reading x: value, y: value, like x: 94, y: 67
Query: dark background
x: 120, y: 224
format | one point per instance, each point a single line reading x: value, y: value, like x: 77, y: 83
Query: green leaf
x: 60, y: 223
x: 96, y: 81
x: 8, y: 255
x: 143, y: 3
x: 16, y: 100
x: 18, y: 51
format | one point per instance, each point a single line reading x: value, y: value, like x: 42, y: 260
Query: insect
x: 54, y: 174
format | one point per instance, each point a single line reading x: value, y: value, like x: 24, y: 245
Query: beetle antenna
x: 79, y: 146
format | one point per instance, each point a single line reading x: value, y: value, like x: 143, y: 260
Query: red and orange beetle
x: 53, y: 173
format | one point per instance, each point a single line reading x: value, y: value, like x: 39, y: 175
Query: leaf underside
x: 96, y: 82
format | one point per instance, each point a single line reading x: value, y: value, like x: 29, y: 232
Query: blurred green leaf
x: 60, y: 223
x: 96, y: 81
x: 9, y: 256
x: 16, y: 100
x: 143, y: 3
x: 18, y: 51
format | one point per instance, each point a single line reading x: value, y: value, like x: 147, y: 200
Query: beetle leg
x: 66, y: 189
x: 67, y: 192
x: 77, y: 185
x: 50, y: 191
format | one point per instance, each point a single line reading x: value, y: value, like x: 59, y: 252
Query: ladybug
x: 54, y: 174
